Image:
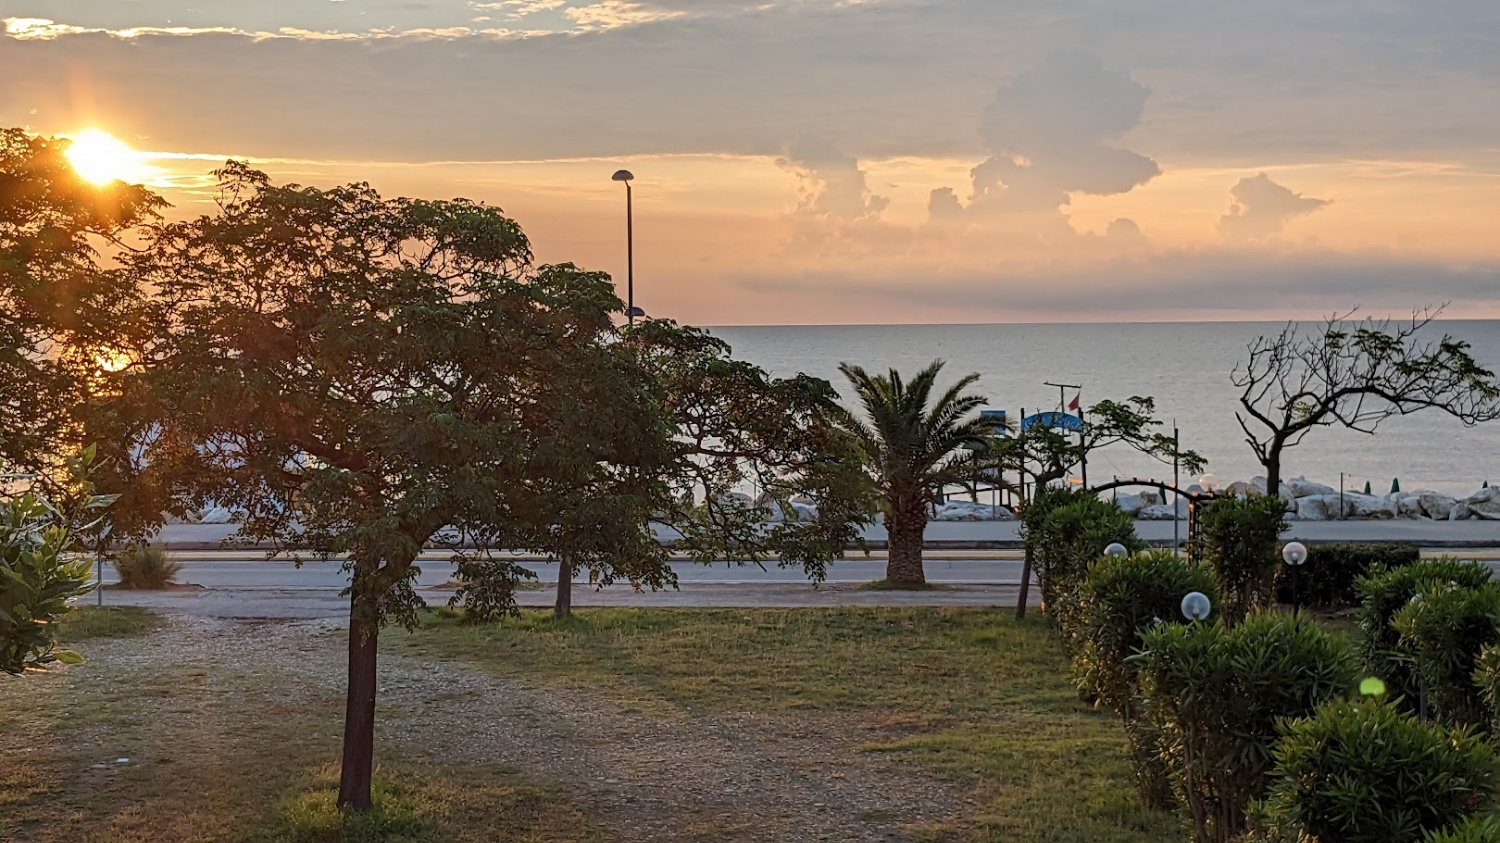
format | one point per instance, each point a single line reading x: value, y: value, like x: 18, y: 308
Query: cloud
x: 1260, y: 208
x: 831, y: 186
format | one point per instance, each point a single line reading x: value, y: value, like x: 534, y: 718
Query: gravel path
x: 650, y: 771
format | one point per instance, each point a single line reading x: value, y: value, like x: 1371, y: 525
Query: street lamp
x: 1196, y: 605
x: 631, y: 311
x: 1115, y: 549
x: 1294, y: 554
x: 1209, y: 482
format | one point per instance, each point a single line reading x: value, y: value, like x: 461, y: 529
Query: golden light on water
x: 101, y: 158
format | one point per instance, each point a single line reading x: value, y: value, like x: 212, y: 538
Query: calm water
x: 1184, y: 366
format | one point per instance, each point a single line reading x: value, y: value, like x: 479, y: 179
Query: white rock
x: 1368, y: 506
x: 1435, y: 504
x: 971, y: 511
x: 1318, y: 508
x: 1238, y: 489
x: 216, y: 515
x: 1301, y: 487
x: 1130, y: 504
x: 1485, y: 503
x: 1259, y: 485
x: 1163, y: 512
x: 1150, y: 497
x: 1459, y: 512
x: 1410, y: 506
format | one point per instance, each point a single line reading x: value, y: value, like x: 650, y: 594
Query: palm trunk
x: 905, y: 527
x: 359, y: 712
x: 564, y: 606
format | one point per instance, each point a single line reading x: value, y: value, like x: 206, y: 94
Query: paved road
x: 955, y: 535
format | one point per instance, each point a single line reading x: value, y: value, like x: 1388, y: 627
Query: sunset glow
x: 101, y: 158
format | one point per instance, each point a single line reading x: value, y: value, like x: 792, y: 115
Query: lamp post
x: 1294, y: 554
x: 630, y: 309
x: 1115, y: 549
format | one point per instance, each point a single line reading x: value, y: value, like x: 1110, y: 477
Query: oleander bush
x: 1384, y: 592
x: 1365, y: 772
x: 1070, y: 538
x: 1220, y: 692
x: 1119, y: 600
x: 1240, y: 542
x: 1481, y: 829
x: 1443, y: 629
x: 1329, y: 576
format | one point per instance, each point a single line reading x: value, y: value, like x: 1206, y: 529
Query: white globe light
x: 1196, y: 605
x: 1209, y: 482
x: 1294, y: 553
x: 1115, y: 549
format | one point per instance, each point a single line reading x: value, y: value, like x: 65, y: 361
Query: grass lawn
x: 971, y: 694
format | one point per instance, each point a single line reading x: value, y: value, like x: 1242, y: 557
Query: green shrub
x: 1382, y: 594
x: 1240, y: 543
x: 1119, y: 600
x: 1365, y: 772
x: 146, y: 566
x: 1482, y: 829
x: 1220, y: 692
x: 1072, y: 536
x: 1328, y: 576
x: 37, y: 577
x: 1487, y: 679
x: 1443, y: 629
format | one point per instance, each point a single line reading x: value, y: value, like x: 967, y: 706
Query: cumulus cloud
x: 831, y: 185
x: 1259, y: 209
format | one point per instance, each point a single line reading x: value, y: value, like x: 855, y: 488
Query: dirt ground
x: 201, y: 704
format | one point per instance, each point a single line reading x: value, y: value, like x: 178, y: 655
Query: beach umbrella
x: 1367, y: 487
x: 1395, y: 485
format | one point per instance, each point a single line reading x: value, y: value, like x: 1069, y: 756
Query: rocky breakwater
x: 1311, y: 501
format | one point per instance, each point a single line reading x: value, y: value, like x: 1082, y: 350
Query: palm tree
x: 913, y: 451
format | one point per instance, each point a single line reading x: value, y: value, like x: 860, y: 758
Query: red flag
x: 1074, y: 404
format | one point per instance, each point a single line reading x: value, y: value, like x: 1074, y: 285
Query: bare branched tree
x: 1356, y: 374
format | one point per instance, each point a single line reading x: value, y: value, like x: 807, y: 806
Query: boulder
x: 1410, y: 506
x: 1318, y: 508
x: 1163, y: 511
x: 1435, y: 504
x: 1301, y: 487
x: 1131, y: 504
x: 1459, y: 512
x: 1150, y: 497
x: 1368, y: 506
x: 1485, y: 503
x: 1238, y: 489
x: 1259, y: 485
x: 216, y: 515
x: 970, y: 511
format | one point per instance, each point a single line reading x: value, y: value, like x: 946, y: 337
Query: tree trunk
x: 905, y: 527
x: 1025, y: 584
x: 564, y: 605
x: 1272, y: 464
x: 359, y: 711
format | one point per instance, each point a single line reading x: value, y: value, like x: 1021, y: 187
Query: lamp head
x: 622, y: 175
x: 1295, y: 553
x: 1209, y: 482
x: 1115, y: 549
x: 1196, y: 605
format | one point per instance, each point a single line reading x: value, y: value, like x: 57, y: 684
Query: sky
x: 849, y: 161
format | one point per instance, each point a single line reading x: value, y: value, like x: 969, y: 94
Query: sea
x: 1184, y: 366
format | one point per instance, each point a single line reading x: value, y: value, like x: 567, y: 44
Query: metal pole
x: 1176, y: 493
x: 629, y: 257
x: 99, y: 575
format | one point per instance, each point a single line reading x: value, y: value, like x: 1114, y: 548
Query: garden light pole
x: 630, y: 310
x: 1294, y: 554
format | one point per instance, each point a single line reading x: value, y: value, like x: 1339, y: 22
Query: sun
x: 101, y: 158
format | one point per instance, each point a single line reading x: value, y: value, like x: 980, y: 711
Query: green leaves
x: 37, y: 578
x: 1240, y: 544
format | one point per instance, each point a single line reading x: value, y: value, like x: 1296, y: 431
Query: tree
x: 61, y: 313
x: 1356, y: 375
x: 366, y: 378
x: 913, y: 446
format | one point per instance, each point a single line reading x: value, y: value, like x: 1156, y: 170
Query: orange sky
x: 835, y: 162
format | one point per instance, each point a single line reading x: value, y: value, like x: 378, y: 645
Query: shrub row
x: 1329, y: 576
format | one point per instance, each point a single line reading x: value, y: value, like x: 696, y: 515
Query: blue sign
x: 996, y: 418
x: 1052, y: 419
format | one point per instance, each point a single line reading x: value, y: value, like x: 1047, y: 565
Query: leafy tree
x: 1354, y: 374
x: 366, y: 378
x: 914, y: 446
x: 62, y: 314
x: 1047, y: 455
